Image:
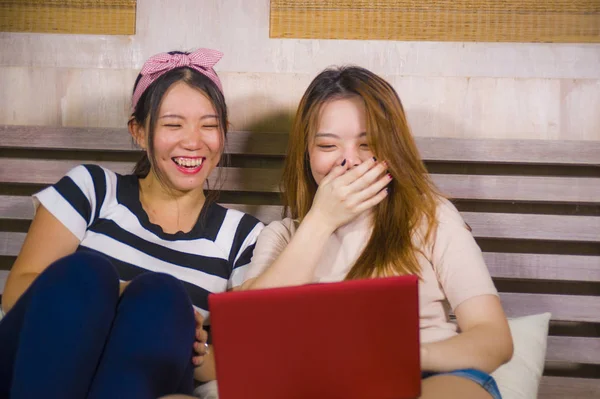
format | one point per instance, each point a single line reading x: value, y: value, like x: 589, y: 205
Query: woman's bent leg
x: 149, y: 351
x: 52, y: 339
x: 447, y: 386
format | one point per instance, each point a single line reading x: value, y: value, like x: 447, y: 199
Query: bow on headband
x: 202, y: 60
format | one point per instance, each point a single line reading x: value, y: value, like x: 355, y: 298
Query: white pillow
x: 208, y: 390
x: 520, y: 378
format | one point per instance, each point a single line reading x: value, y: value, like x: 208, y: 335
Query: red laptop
x: 349, y: 340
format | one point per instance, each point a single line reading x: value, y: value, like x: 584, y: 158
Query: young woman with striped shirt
x: 99, y: 303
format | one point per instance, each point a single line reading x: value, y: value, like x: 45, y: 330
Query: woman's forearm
x: 481, y: 348
x: 297, y: 262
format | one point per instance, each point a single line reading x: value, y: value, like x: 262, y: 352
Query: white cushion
x: 520, y: 378
x: 208, y: 390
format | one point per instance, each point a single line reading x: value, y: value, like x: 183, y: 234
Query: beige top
x: 452, y: 267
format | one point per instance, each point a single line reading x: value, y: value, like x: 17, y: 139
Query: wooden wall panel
x: 558, y: 21
x: 104, y: 17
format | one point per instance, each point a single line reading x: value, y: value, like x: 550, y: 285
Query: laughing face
x: 341, y: 134
x: 187, y: 138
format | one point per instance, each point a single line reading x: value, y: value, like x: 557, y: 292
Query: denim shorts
x: 486, y: 381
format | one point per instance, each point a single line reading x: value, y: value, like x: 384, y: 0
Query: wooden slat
x: 21, y: 208
x: 569, y: 388
x: 65, y: 138
x: 534, y: 227
x: 16, y: 207
x: 264, y: 213
x: 503, y: 265
x: 545, y: 152
x: 554, y: 152
x: 247, y: 179
x: 469, y: 187
x: 543, y: 266
x: 563, y: 307
x: 3, y: 277
x: 10, y: 243
x: 497, y: 225
x: 118, y: 139
x: 271, y: 144
x: 43, y: 171
x: 494, y: 225
x: 573, y: 350
x: 520, y: 188
x: 484, y: 225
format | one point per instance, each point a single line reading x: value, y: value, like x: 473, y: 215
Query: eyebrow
x: 335, y: 136
x: 181, y: 117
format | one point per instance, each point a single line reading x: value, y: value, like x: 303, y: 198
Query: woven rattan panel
x: 105, y: 17
x: 555, y: 21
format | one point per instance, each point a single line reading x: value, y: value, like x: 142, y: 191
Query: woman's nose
x: 192, y: 139
x: 352, y: 157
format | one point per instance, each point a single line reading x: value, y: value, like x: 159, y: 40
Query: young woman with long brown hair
x: 362, y: 205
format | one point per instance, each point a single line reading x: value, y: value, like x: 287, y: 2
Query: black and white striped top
x: 103, y: 210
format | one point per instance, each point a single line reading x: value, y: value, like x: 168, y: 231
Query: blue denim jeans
x: 486, y: 381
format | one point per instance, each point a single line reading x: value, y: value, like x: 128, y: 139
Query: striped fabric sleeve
x: 74, y: 199
x: 243, y: 246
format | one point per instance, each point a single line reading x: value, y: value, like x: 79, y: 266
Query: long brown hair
x: 412, y: 198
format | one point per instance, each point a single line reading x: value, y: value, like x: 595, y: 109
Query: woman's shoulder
x: 91, y: 172
x: 90, y: 180
x: 284, y: 228
x: 288, y: 224
x: 235, y: 214
x: 100, y: 179
x: 447, y: 213
x: 448, y: 221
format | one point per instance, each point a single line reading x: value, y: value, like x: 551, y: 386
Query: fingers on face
x: 381, y: 181
x: 336, y: 171
x: 357, y: 172
x: 372, y: 200
x: 371, y: 177
x: 370, y: 190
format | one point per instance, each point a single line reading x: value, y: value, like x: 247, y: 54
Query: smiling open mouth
x: 188, y: 163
